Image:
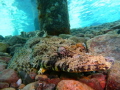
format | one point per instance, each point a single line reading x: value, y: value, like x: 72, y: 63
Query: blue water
x: 93, y: 12
x: 17, y: 16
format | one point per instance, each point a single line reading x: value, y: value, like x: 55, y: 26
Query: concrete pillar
x: 53, y: 16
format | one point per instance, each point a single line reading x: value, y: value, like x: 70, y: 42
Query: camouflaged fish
x: 57, y: 54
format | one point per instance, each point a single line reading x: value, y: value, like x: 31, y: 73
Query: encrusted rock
x: 107, y: 45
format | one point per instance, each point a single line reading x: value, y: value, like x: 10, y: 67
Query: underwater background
x: 17, y: 16
x: 40, y: 50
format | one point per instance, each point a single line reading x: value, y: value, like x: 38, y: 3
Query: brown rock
x: 2, y: 66
x: 9, y: 76
x: 72, y: 85
x: 5, y: 58
x: 3, y: 85
x: 113, y: 82
x: 54, y: 81
x: 41, y: 76
x: 107, y: 45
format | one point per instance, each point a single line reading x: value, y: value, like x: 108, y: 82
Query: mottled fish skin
x: 80, y: 64
x: 57, y: 54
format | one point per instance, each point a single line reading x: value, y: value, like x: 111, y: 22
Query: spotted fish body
x: 57, y: 54
x: 78, y: 63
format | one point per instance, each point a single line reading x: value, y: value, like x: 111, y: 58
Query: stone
x: 79, y: 35
x: 3, y: 47
x: 53, y: 81
x: 107, y: 45
x: 2, y: 66
x: 89, y: 35
x: 113, y: 82
x: 16, y: 40
x: 14, y: 85
x: 5, y: 58
x: 78, y: 39
x: 49, y: 87
x: 13, y: 48
x: 30, y: 86
x: 25, y: 77
x: 21, y: 86
x: 1, y: 38
x: 4, y: 85
x: 8, y: 89
x: 41, y: 76
x: 72, y: 85
x: 65, y: 36
x: 4, y: 54
x: 9, y: 76
x: 95, y: 81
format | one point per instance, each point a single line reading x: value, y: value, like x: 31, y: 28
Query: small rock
x: 72, y: 85
x: 44, y: 86
x: 5, y: 58
x: 78, y: 39
x: 89, y: 35
x: 64, y: 36
x: 95, y: 81
x: 40, y: 76
x: 4, y: 54
x: 14, y: 85
x: 19, y: 82
x: 116, y: 27
x: 1, y: 38
x: 3, y: 47
x: 9, y: 76
x: 25, y: 77
x: 80, y: 35
x: 49, y: 87
x: 2, y: 66
x: 113, y: 82
x: 3, y: 85
x: 8, y: 89
x: 16, y: 40
x: 53, y: 81
x: 13, y: 48
x: 21, y: 86
x: 30, y: 86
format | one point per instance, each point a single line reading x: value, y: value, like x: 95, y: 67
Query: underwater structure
x: 54, y: 17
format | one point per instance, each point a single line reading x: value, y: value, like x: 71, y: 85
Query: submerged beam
x: 53, y: 16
